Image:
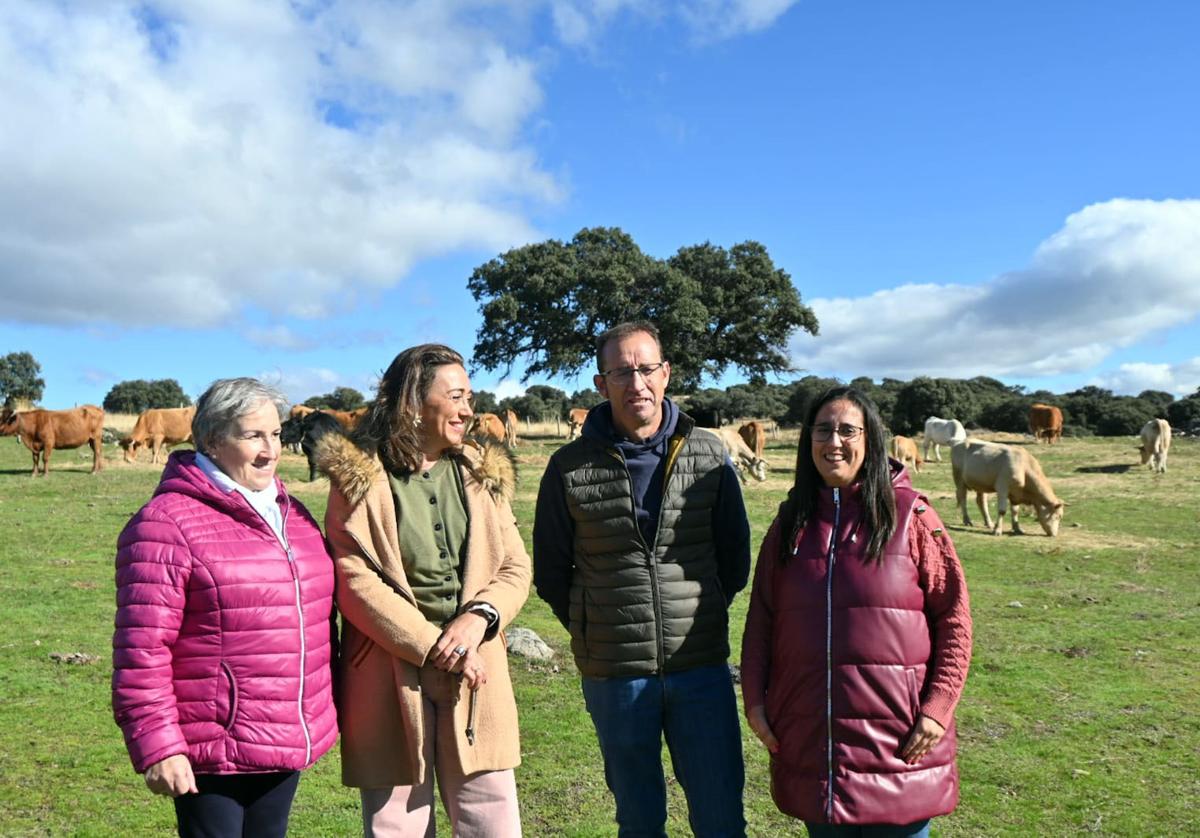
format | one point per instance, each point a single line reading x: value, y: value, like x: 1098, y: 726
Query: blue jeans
x: 920, y: 829
x: 697, y: 711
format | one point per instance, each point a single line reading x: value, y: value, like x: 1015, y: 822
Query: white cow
x: 1013, y: 474
x: 744, y: 460
x: 1156, y: 441
x: 940, y: 432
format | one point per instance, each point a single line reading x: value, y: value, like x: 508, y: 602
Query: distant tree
x: 757, y: 400
x: 1088, y: 405
x: 1011, y: 416
x: 20, y: 379
x: 485, y: 402
x: 946, y: 398
x: 342, y: 398
x: 1160, y: 399
x: 587, y: 398
x: 139, y: 394
x: 804, y: 392
x: 713, y: 307
x: 1185, y: 412
x: 540, y: 403
x: 1125, y: 416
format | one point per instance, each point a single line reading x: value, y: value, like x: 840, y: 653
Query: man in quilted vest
x: 639, y: 544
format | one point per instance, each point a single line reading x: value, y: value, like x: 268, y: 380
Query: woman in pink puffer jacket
x: 222, y: 651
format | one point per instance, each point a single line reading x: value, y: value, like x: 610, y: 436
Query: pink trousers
x: 480, y: 805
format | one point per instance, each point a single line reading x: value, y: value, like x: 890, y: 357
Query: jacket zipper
x: 291, y: 557
x: 837, y: 516
x: 651, y: 561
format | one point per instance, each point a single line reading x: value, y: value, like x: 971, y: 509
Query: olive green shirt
x: 431, y: 518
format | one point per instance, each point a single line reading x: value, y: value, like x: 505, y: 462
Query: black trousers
x: 237, y: 806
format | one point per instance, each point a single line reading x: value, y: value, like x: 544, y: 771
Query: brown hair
x: 390, y: 428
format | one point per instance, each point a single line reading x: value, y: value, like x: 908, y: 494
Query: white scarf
x: 263, y: 501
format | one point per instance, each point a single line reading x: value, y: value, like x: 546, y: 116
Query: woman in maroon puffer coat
x: 858, y: 637
x: 221, y: 656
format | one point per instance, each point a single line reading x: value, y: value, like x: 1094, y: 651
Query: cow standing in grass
x: 1156, y: 442
x: 905, y: 450
x: 1013, y: 474
x: 158, y: 427
x: 939, y: 432
x: 41, y: 431
x: 1045, y: 423
x: 575, y: 419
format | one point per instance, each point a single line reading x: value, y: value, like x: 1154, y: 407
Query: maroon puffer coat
x: 223, y: 638
x: 849, y: 651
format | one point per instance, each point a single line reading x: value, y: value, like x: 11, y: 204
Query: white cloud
x: 713, y: 20
x: 279, y: 337
x: 1116, y: 273
x: 300, y: 383
x: 1181, y: 380
x: 222, y: 155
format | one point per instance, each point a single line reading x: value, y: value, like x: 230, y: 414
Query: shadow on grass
x: 1115, y: 468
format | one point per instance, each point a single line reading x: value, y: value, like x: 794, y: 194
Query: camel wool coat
x: 385, y: 639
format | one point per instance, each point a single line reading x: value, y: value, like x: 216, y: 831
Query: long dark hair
x: 878, y: 499
x: 391, y: 427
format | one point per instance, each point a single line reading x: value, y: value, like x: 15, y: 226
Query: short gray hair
x: 224, y: 402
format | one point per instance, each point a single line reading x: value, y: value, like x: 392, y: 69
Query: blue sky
x: 300, y: 190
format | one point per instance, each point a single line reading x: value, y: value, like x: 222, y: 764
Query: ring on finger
x: 460, y: 650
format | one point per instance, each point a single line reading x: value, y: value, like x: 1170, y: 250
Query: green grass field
x: 1081, y: 713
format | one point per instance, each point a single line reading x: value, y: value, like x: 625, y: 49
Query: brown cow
x: 1045, y: 422
x: 299, y: 411
x: 346, y: 418
x: 488, y: 425
x: 905, y: 449
x: 755, y: 436
x: 159, y: 426
x: 41, y: 431
x: 510, y: 429
x: 575, y: 419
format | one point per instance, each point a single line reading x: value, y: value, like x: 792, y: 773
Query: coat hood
x: 353, y: 469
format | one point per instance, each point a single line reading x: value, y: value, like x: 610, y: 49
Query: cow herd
x: 1010, y: 472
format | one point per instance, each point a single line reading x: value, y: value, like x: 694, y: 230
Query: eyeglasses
x: 624, y: 375
x: 823, y: 432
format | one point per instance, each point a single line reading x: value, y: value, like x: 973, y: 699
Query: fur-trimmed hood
x: 353, y: 470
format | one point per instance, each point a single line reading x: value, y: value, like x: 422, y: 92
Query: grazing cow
x: 744, y: 460
x: 1156, y: 441
x: 905, y: 449
x: 159, y: 427
x: 939, y: 432
x: 1045, y: 422
x: 755, y: 436
x: 510, y: 429
x: 488, y: 426
x: 1013, y: 474
x: 41, y: 431
x: 575, y: 419
x: 306, y: 432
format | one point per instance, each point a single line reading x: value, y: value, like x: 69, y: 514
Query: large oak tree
x: 546, y: 302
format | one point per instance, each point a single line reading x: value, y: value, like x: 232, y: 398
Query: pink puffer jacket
x: 223, y: 639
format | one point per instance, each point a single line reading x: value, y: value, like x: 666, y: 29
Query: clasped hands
x: 457, y: 650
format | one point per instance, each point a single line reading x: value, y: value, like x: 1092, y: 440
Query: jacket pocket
x: 233, y: 695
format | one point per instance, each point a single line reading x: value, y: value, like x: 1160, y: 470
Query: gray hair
x: 622, y: 331
x: 224, y: 402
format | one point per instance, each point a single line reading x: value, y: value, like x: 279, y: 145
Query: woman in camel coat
x: 424, y: 688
